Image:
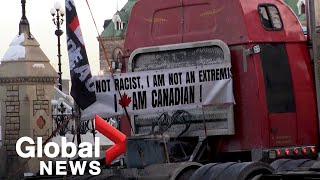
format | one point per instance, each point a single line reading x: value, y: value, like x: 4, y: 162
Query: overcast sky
x: 42, y: 27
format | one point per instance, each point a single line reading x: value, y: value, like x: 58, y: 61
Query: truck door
x: 279, y: 94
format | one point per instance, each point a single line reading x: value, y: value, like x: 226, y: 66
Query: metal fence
x: 61, y: 115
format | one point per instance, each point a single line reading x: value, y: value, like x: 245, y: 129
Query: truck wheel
x: 85, y: 177
x: 170, y: 171
x: 107, y: 177
x: 281, y: 165
x: 186, y: 173
x: 232, y: 171
x: 202, y: 170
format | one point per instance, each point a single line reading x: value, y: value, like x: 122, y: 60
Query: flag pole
x: 82, y: 89
x: 109, y: 64
x: 77, y: 123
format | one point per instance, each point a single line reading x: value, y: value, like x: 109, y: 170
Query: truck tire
x: 232, y: 171
x: 107, y: 177
x: 202, y: 170
x: 85, y: 177
x: 170, y: 171
x: 281, y: 165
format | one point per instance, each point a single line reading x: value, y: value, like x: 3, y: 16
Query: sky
x: 42, y: 27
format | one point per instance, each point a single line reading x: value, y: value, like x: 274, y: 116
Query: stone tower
x: 26, y: 88
x: 113, y: 35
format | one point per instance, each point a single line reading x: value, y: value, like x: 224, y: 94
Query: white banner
x: 161, y: 90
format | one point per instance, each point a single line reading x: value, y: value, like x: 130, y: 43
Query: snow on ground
x: 16, y: 49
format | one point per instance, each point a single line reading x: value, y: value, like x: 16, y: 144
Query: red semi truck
x: 274, y: 88
x: 272, y: 130
x: 275, y: 73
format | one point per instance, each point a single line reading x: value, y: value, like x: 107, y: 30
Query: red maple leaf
x: 125, y: 101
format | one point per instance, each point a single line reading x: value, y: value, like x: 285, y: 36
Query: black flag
x: 82, y: 88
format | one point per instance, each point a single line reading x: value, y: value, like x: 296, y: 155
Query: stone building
x: 299, y: 8
x: 26, y: 88
x: 113, y: 35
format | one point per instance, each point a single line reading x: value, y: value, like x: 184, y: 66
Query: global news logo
x: 66, y: 150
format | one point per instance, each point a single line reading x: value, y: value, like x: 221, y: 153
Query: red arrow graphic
x: 114, y: 135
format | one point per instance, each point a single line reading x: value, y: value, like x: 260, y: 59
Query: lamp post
x: 57, y: 17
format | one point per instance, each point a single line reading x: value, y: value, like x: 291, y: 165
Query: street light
x: 57, y: 17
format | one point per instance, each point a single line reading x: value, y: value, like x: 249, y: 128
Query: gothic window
x: 118, y: 25
x: 116, y: 52
x: 301, y: 7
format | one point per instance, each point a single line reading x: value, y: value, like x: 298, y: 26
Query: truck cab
x: 274, y: 87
